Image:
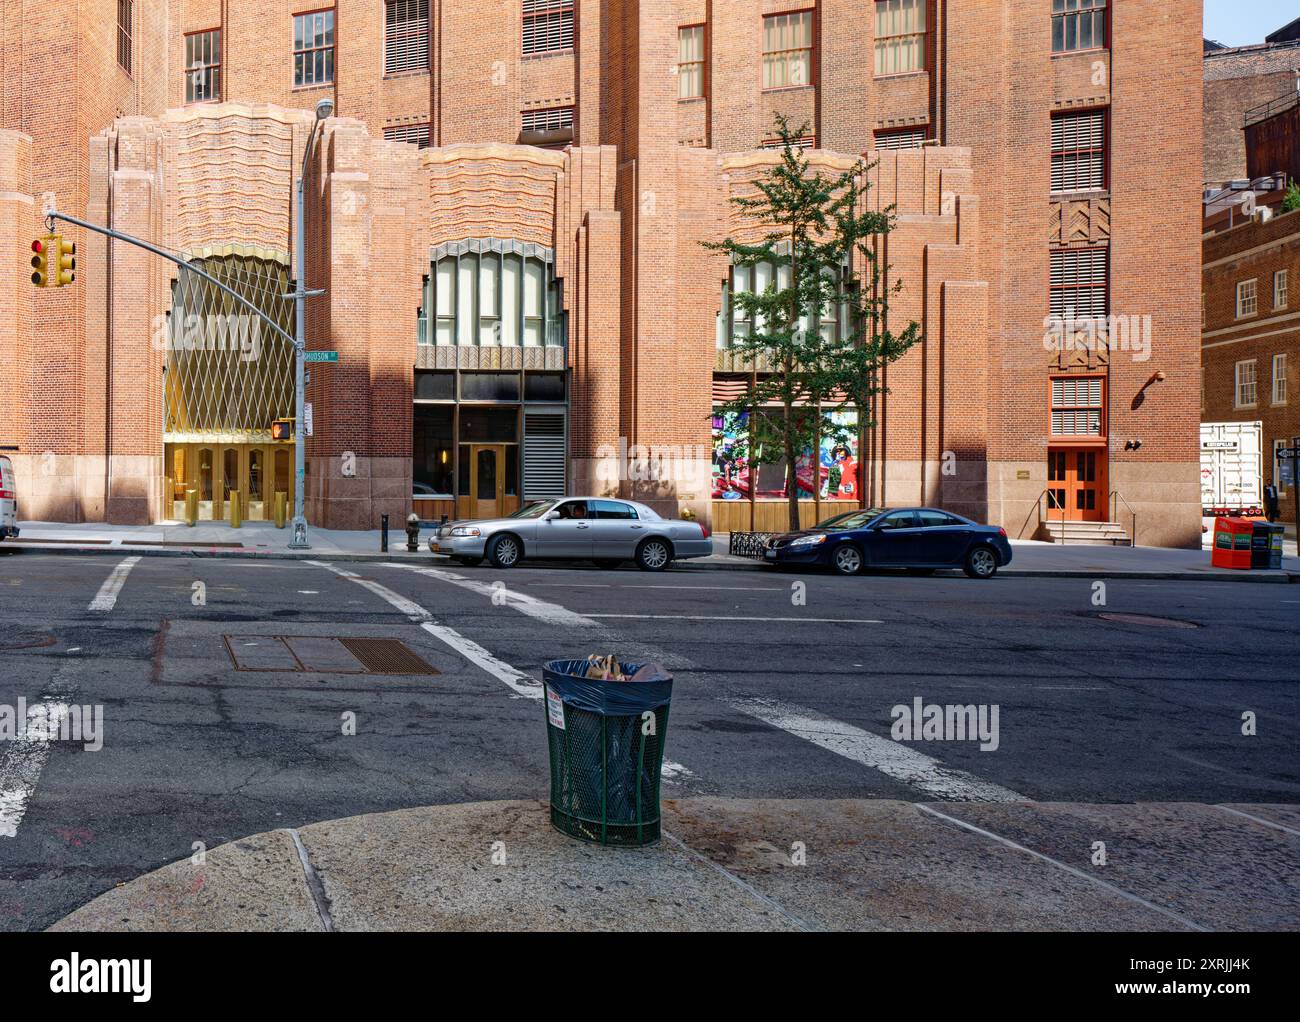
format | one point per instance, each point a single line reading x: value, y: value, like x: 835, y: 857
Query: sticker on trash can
x: 555, y: 708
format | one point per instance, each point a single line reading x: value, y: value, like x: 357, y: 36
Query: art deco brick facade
x: 619, y: 212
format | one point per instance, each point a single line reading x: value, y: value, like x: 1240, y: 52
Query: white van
x: 8, y: 499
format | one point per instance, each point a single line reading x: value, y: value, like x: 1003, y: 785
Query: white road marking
x: 1127, y: 895
x: 713, y: 617
x: 106, y: 599
x: 1259, y: 819
x: 551, y: 613
x: 21, y: 763
x: 894, y: 759
x: 520, y: 683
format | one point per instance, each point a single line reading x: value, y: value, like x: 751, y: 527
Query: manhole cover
x: 1147, y: 620
x: 24, y: 640
x: 318, y: 654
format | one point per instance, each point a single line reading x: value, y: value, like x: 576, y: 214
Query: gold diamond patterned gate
x: 228, y: 377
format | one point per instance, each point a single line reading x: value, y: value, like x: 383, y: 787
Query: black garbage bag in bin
x: 606, y: 741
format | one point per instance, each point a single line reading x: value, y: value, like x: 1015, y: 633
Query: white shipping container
x: 1232, y: 465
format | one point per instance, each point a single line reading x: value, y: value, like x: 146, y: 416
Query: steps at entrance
x: 1085, y: 533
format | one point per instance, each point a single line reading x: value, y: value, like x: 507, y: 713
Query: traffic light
x: 54, y: 261
x: 41, y: 262
x: 64, y: 254
x: 282, y: 429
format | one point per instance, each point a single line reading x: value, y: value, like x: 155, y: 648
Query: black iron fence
x: 749, y: 544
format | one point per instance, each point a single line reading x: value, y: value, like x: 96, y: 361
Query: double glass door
x: 1076, y: 483
x: 256, y: 471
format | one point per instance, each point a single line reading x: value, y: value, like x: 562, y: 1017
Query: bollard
x: 383, y: 534
x: 191, y: 507
x: 236, y: 512
x: 281, y: 509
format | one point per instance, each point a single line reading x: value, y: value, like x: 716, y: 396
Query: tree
x: 821, y: 233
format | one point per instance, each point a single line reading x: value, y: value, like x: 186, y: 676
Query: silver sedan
x: 599, y: 529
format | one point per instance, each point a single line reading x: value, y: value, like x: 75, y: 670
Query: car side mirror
x: 551, y: 516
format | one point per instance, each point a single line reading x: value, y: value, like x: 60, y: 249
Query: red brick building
x: 506, y: 213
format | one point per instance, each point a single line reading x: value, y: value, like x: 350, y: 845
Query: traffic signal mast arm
x: 59, y: 264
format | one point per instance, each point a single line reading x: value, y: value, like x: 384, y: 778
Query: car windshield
x: 849, y: 519
x: 534, y: 510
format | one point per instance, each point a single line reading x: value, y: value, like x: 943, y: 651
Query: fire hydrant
x: 413, y: 533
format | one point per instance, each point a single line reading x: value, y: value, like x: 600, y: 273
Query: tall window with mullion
x: 1078, y: 25
x: 406, y: 36
x: 900, y: 36
x: 1079, y: 289
x: 690, y: 62
x: 492, y: 299
x: 548, y: 26
x: 203, y: 66
x: 1079, y: 151
x: 313, y: 49
x: 787, y: 50
x: 735, y: 323
x: 125, y: 26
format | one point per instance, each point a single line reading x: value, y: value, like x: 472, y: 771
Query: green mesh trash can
x: 606, y: 742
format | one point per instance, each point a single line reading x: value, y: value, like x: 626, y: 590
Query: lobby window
x: 125, y: 19
x: 1078, y: 25
x: 736, y: 324
x: 787, y: 50
x: 1077, y: 406
x: 313, y: 49
x: 1079, y: 151
x: 904, y: 138
x: 548, y: 26
x: 690, y: 62
x: 433, y: 450
x: 900, y: 36
x: 1079, y: 283
x: 1243, y: 378
x: 1280, y: 283
x: 406, y: 36
x: 550, y: 127
x: 1281, y: 467
x: 203, y: 66
x: 1247, y: 298
x: 412, y: 134
x: 493, y: 299
x: 1279, y: 379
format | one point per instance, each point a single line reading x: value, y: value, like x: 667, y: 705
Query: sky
x: 1242, y: 22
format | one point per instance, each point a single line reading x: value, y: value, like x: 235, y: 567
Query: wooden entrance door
x: 487, y: 477
x: 1076, y: 483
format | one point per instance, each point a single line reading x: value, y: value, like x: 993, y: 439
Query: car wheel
x: 469, y: 562
x: 981, y: 562
x: 609, y: 564
x: 504, y: 552
x: 847, y: 559
x: 654, y: 555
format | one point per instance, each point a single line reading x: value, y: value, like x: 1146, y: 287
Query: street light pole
x: 299, y: 541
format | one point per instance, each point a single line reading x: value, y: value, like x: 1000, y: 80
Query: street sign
x: 1288, y: 452
x: 320, y: 356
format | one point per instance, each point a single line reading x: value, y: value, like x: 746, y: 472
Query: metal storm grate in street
x: 314, y: 654
x: 387, y: 656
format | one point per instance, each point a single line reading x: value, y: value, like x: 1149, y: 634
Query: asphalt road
x: 786, y: 685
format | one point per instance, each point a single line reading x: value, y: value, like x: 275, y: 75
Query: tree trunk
x: 791, y: 470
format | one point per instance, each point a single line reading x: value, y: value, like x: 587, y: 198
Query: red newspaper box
x: 1232, y: 540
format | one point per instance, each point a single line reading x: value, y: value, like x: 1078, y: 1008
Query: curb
x: 704, y: 564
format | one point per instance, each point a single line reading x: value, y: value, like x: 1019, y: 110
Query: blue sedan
x: 921, y: 539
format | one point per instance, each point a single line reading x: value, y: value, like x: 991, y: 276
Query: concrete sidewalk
x: 263, y: 540
x: 727, y: 864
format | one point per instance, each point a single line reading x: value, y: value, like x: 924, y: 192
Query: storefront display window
x: 739, y: 464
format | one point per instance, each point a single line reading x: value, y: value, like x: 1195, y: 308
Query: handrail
x: 1281, y: 102
x: 1116, y: 494
x: 1038, y: 505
